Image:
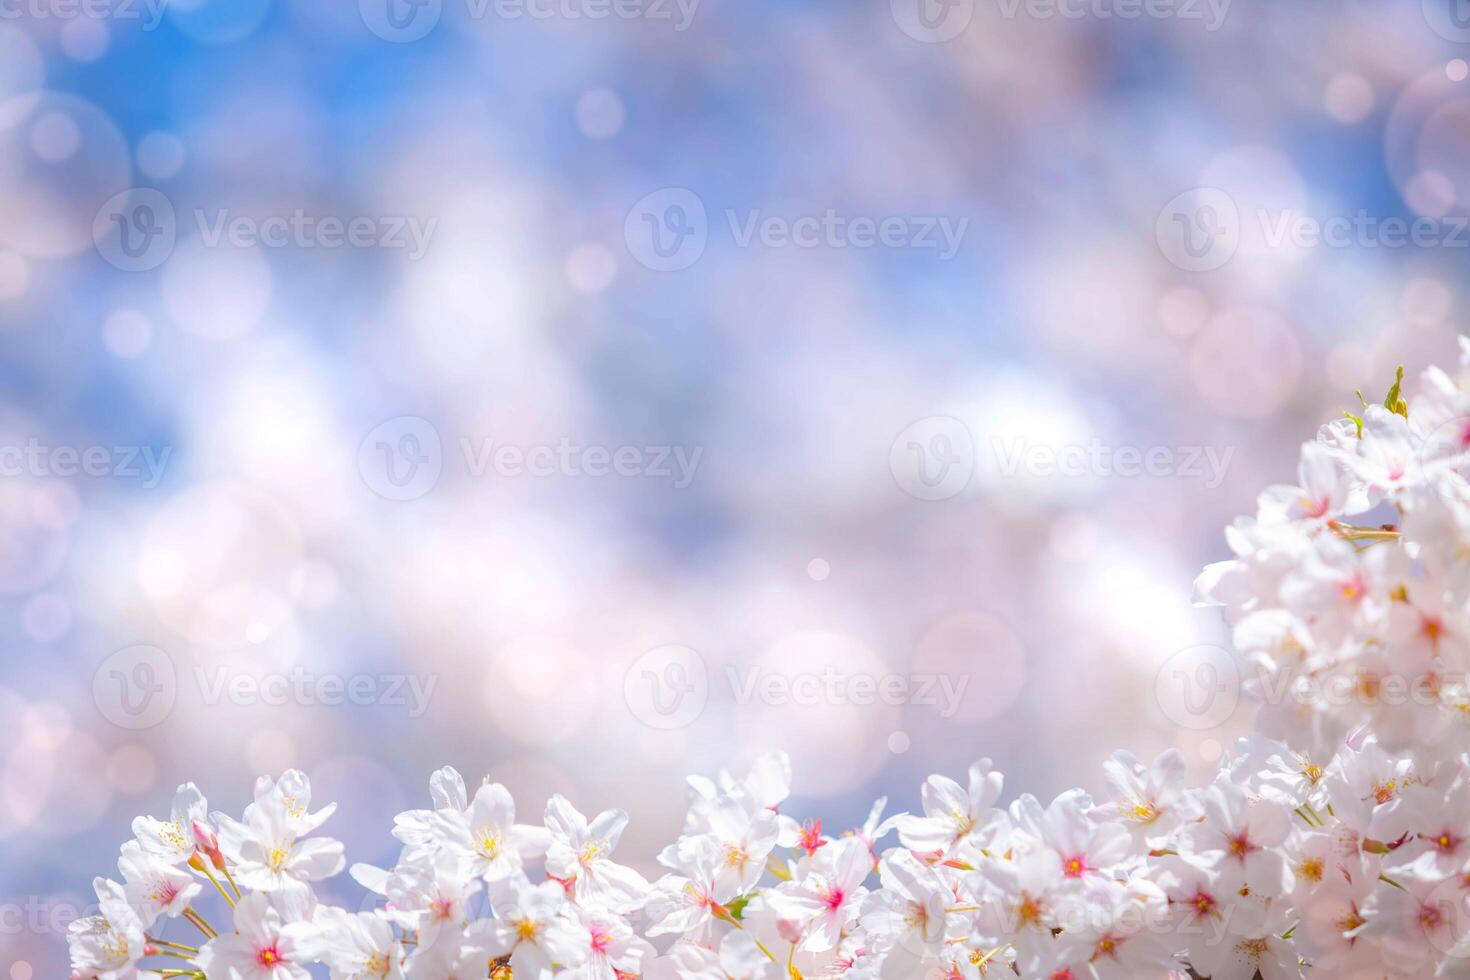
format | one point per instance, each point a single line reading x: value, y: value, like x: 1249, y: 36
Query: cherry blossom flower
x: 1421, y: 920
x: 830, y: 894
x: 1247, y: 834
x: 952, y: 814
x: 108, y: 946
x: 1084, y: 847
x: 526, y: 926
x: 358, y: 947
x: 693, y: 898
x: 1243, y: 957
x: 429, y: 895
x: 262, y: 947
x: 456, y: 956
x: 600, y: 946
x: 1325, y: 489
x: 416, y: 828
x: 267, y: 854
x: 178, y: 838
x: 153, y: 887
x: 485, y: 837
x: 580, y: 852
x: 1149, y: 802
x: 1019, y: 904
x: 908, y: 915
x: 291, y: 796
x: 687, y: 961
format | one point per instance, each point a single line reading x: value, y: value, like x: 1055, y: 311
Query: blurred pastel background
x: 325, y: 510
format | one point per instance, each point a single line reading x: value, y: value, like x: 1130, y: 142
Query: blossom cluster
x: 1334, y: 840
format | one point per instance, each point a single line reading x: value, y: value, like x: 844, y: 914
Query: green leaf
x: 1394, y: 400
x: 1356, y: 418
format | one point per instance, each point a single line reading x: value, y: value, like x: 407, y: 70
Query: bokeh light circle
x: 127, y: 333
x: 979, y: 666
x: 218, y: 21
x: 1247, y: 363
x: 85, y: 39
x: 1423, y: 144
x: 1348, y: 98
x: 217, y: 292
x: 61, y: 159
x: 15, y: 275
x: 160, y: 155
x: 217, y: 558
x: 22, y: 69
x: 600, y: 114
x: 32, y: 547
